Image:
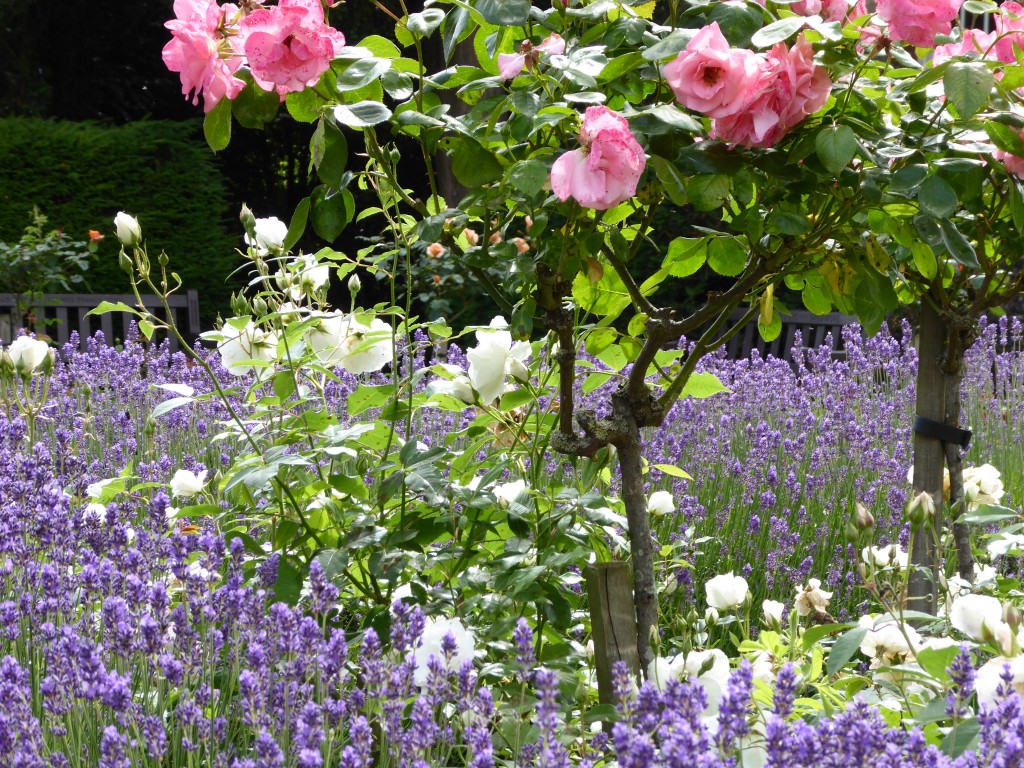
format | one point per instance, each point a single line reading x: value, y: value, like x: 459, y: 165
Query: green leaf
x: 288, y: 586
x: 672, y: 180
x: 529, y: 176
x: 331, y: 211
x: 726, y: 256
x: 672, y: 470
x: 988, y: 513
x: 707, y: 192
x: 146, y: 329
x: 366, y: 397
x: 504, y: 13
x: 816, y: 300
x: 298, y: 224
x: 964, y: 737
x: 472, y: 164
x: 456, y: 24
x: 253, y: 108
x: 934, y: 661
x: 738, y: 20
x: 669, y: 45
x: 514, y: 399
x: 685, y: 256
x: 844, y: 648
x: 362, y: 115
x: 924, y: 260
x: 113, y: 306
x: 166, y: 406
x: 789, y: 223
x: 937, y: 198
x: 836, y: 146
x: 217, y: 125
x: 329, y: 150
x: 958, y: 245
x: 770, y: 330
x: 304, y: 106
x: 703, y: 385
x: 777, y: 31
x: 1004, y: 137
x: 908, y: 178
x: 360, y: 73
x: 968, y: 85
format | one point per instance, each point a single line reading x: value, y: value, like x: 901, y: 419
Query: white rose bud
x: 773, y: 611
x: 726, y: 592
x: 27, y: 354
x: 128, y: 230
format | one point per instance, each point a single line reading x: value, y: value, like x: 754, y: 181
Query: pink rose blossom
x: 974, y: 41
x: 201, y: 50
x: 790, y: 87
x: 289, y: 46
x: 605, y: 170
x: 710, y: 77
x: 918, y: 21
x: 1013, y: 163
x: 806, y: 7
x: 1009, y: 26
x: 511, y: 64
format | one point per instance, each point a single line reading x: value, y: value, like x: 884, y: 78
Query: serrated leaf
x: 703, y: 385
x: 331, y: 211
x: 968, y: 86
x: 298, y: 224
x: 362, y: 115
x: 777, y: 31
x: 726, y: 256
x: 217, y: 125
x: 361, y: 73
x: 706, y: 192
x: 672, y: 180
x: 529, y: 176
x: 685, y: 256
x: 113, y: 306
x: 423, y: 24
x: 472, y: 164
x: 504, y: 13
x: 836, y: 146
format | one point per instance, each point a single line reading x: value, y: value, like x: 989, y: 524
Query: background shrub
x: 81, y: 174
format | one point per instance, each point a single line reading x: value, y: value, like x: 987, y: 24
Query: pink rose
x: 918, y: 21
x: 710, y: 77
x: 1009, y: 26
x: 605, y: 170
x: 806, y: 7
x: 790, y: 87
x: 974, y: 41
x: 289, y: 46
x: 511, y: 64
x: 202, y: 51
x: 1013, y: 163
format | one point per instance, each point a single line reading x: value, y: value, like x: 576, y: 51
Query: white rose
x: 811, y: 598
x: 715, y: 675
x: 186, y: 484
x: 988, y: 678
x: 270, y: 234
x: 1005, y: 543
x: 886, y: 641
x: 726, y: 591
x: 344, y: 341
x: 431, y: 644
x: 493, y: 357
x: 662, y: 671
x: 312, y: 275
x: 977, y: 616
x: 95, y: 512
x: 27, y: 354
x: 661, y: 503
x: 773, y: 612
x: 986, y: 485
x: 244, y: 341
x: 460, y: 387
x: 128, y: 230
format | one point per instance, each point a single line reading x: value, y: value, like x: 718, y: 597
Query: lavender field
x: 133, y: 636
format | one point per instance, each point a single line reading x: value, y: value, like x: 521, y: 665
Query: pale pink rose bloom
x: 710, y: 77
x: 289, y: 46
x: 918, y: 21
x: 790, y: 87
x: 511, y: 64
x: 1014, y: 164
x: 974, y: 41
x: 1009, y: 26
x: 605, y: 170
x: 806, y: 7
x: 202, y: 51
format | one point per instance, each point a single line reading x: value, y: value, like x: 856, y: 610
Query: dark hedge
x: 81, y: 174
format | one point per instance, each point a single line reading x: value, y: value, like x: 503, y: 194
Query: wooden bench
x: 814, y: 330
x: 58, y: 314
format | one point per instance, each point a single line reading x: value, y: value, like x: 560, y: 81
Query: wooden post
x: 929, y: 457
x: 613, y: 621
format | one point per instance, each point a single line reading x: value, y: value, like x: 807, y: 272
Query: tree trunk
x: 641, y: 543
x: 954, y: 372
x: 929, y: 458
